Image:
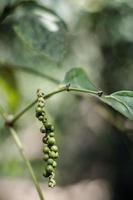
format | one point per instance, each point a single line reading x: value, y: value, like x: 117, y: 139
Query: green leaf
x: 41, y: 30
x: 14, y: 54
x: 122, y: 101
x: 77, y: 78
x: 7, y: 3
x: 19, y: 53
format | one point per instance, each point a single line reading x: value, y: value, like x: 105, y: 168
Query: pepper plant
x: 31, y: 26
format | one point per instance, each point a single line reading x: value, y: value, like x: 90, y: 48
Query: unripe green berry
x: 51, y: 141
x: 50, y: 161
x: 46, y: 157
x: 38, y: 110
x: 54, y: 164
x: 56, y: 155
x: 46, y: 174
x: 52, y: 134
x: 50, y: 184
x: 41, y: 99
x: 38, y: 114
x: 42, y: 129
x: 49, y: 128
x: 52, y: 154
x: 40, y: 104
x: 40, y: 118
x: 54, y: 148
x: 53, y: 183
x: 44, y: 139
x: 46, y: 150
x: 49, y: 169
x: 44, y: 121
x: 40, y: 93
x: 43, y: 114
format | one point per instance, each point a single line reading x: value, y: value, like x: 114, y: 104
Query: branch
x: 58, y: 90
x: 19, y: 145
x: 30, y: 71
x: 40, y: 74
x: 27, y: 162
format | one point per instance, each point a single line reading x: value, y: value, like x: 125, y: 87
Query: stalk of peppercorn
x: 50, y: 148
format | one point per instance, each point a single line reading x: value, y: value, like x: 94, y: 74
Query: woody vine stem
x: 9, y: 122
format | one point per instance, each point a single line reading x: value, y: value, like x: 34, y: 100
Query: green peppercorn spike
x: 50, y: 149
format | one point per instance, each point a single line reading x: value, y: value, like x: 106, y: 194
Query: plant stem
x: 37, y: 73
x: 27, y: 162
x: 30, y: 71
x: 99, y: 93
x: 58, y: 90
x: 17, y: 116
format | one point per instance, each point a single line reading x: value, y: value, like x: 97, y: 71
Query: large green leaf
x: 41, y: 30
x: 122, y: 101
x: 25, y: 41
x: 77, y: 78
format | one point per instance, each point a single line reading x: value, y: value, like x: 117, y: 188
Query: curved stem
x: 58, y: 90
x: 17, y: 116
x: 27, y: 162
x: 37, y: 73
x: 99, y: 93
x: 31, y: 71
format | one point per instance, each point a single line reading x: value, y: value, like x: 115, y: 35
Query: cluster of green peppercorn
x: 50, y: 149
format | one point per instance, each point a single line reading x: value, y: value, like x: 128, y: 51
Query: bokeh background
x: 95, y: 142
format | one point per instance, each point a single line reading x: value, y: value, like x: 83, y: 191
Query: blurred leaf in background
x: 35, y: 39
x: 9, y: 90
